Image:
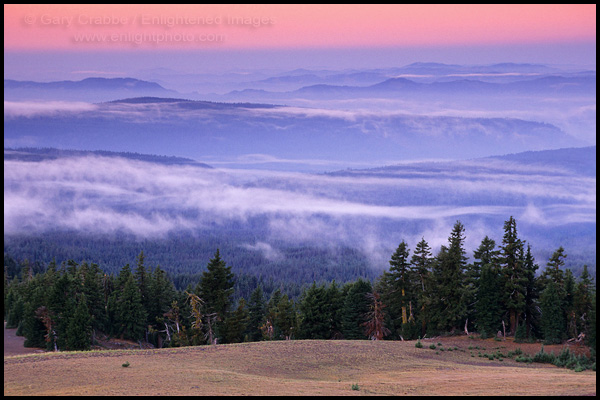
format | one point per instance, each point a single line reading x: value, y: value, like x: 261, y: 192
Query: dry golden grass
x: 302, y: 367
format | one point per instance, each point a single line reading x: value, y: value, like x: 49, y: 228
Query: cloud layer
x: 107, y: 195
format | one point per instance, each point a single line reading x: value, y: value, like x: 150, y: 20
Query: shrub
x: 579, y: 368
x: 419, y: 345
x: 543, y: 357
x: 516, y: 352
x: 125, y: 364
x: 355, y: 386
x: 432, y: 346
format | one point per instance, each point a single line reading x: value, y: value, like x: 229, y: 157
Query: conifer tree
x: 285, y: 317
x: 356, y: 306
x: 272, y: 309
x: 397, y: 293
x: 215, y: 289
x: 421, y: 264
x: 552, y: 320
x: 61, y: 302
x: 334, y: 299
x: 237, y: 323
x: 583, y: 300
x: 143, y: 280
x: 79, y: 329
x: 553, y: 269
x: 93, y: 293
x: 569, y: 305
x: 449, y: 308
x: 531, y: 313
x: 314, y: 314
x: 488, y: 313
x: 483, y: 306
x: 161, y: 294
x: 513, y: 273
x: 130, y: 313
x: 256, y: 311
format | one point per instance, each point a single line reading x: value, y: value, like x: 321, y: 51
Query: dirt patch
x: 302, y: 367
x: 13, y: 344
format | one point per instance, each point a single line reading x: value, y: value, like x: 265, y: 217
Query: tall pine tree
x: 216, y: 289
x: 398, y: 295
x: 356, y: 306
x: 449, y: 308
x: 484, y: 276
x: 421, y: 263
x: 514, y: 275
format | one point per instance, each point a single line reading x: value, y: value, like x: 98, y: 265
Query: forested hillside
x: 66, y: 306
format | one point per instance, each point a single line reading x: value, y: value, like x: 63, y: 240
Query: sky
x: 119, y: 38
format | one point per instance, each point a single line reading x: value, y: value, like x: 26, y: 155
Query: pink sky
x: 87, y: 27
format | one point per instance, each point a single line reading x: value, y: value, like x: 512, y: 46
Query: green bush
x: 355, y: 386
x: 516, y: 352
x: 419, y: 345
x: 432, y: 346
x: 524, y: 358
x: 543, y: 357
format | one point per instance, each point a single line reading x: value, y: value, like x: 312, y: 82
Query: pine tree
x: 272, y: 329
x: 334, y: 299
x: 569, y: 305
x: 130, y: 313
x: 313, y: 313
x: 488, y: 313
x: 256, y: 311
x: 79, y: 329
x: 356, y: 306
x: 553, y: 269
x: 421, y: 264
x: 513, y: 273
x: 215, y: 289
x: 237, y: 323
x: 93, y: 293
x: 582, y: 301
x: 531, y: 313
x: 397, y: 292
x: 143, y: 278
x: 161, y: 297
x: 552, y: 320
x: 61, y: 302
x: 483, y: 303
x: 449, y: 308
x: 285, y: 318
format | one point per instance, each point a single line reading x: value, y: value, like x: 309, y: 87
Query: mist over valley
x: 299, y: 175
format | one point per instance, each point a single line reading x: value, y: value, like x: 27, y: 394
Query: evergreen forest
x: 502, y: 291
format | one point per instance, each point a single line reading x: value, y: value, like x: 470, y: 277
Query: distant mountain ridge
x: 212, y: 131
x: 40, y: 154
x: 190, y: 104
x: 88, y: 89
x: 416, y: 78
x: 85, y: 84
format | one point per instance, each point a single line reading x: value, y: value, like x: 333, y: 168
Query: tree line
x: 66, y: 307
